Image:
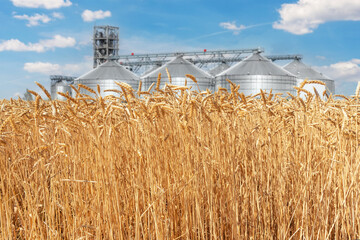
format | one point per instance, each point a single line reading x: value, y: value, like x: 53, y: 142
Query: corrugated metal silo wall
x: 251, y: 84
x: 60, y: 86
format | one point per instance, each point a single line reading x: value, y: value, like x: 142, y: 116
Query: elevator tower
x: 105, y: 44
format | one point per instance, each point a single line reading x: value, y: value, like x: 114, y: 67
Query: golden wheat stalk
x: 315, y: 82
x: 263, y: 96
x: 13, y: 126
x: 44, y: 90
x: 37, y: 103
x: 194, y: 80
x: 270, y: 95
x: 243, y: 98
x: 357, y: 92
x: 303, y: 103
x: 86, y: 88
x: 140, y: 85
x: 125, y: 86
x: 303, y: 83
x: 69, y: 108
x: 182, y: 88
x: 232, y: 85
x: 109, y: 97
x: 144, y: 93
x: 191, y: 77
x: 107, y: 110
x: 68, y: 97
x: 113, y: 90
x: 158, y: 81
x: 151, y: 86
x: 292, y: 96
x: 86, y: 98
x: 342, y: 96
x: 316, y: 93
x: 4, y: 123
x: 303, y: 90
x: 33, y: 93
x: 168, y: 74
x: 327, y: 95
x: 76, y: 90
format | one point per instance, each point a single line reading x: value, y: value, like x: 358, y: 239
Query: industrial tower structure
x: 106, y: 47
x: 105, y: 44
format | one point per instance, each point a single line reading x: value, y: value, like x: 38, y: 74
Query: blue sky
x: 43, y: 37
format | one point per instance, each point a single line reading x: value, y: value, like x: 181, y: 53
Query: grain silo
x: 105, y: 76
x: 178, y: 68
x: 157, y: 66
x: 61, y: 84
x: 257, y: 72
x: 302, y: 71
x: 219, y: 69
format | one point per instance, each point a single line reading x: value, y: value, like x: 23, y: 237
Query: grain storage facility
x: 257, y: 72
x: 178, y: 68
x: 302, y: 71
x: 60, y: 84
x: 150, y: 70
x: 219, y: 69
x: 105, y: 76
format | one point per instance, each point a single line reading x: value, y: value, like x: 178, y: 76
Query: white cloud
x: 232, y: 26
x: 306, y: 15
x: 34, y: 20
x: 47, y: 68
x: 16, y: 45
x: 89, y: 16
x: 356, y: 61
x: 48, y: 4
x: 321, y: 57
x: 57, y: 15
x: 57, y: 41
x: 42, y: 67
x: 343, y: 71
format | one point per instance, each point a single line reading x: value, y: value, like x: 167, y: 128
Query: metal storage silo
x: 60, y: 84
x: 178, y: 68
x: 105, y: 76
x: 150, y: 70
x: 257, y: 72
x: 219, y: 69
x: 302, y: 71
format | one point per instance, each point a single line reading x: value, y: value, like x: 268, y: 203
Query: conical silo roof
x: 303, y: 71
x: 105, y: 76
x: 257, y: 73
x: 256, y: 64
x: 151, y: 70
x: 109, y: 70
x: 219, y: 69
x: 178, y: 68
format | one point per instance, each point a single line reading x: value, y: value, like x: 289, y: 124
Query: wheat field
x: 180, y: 164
